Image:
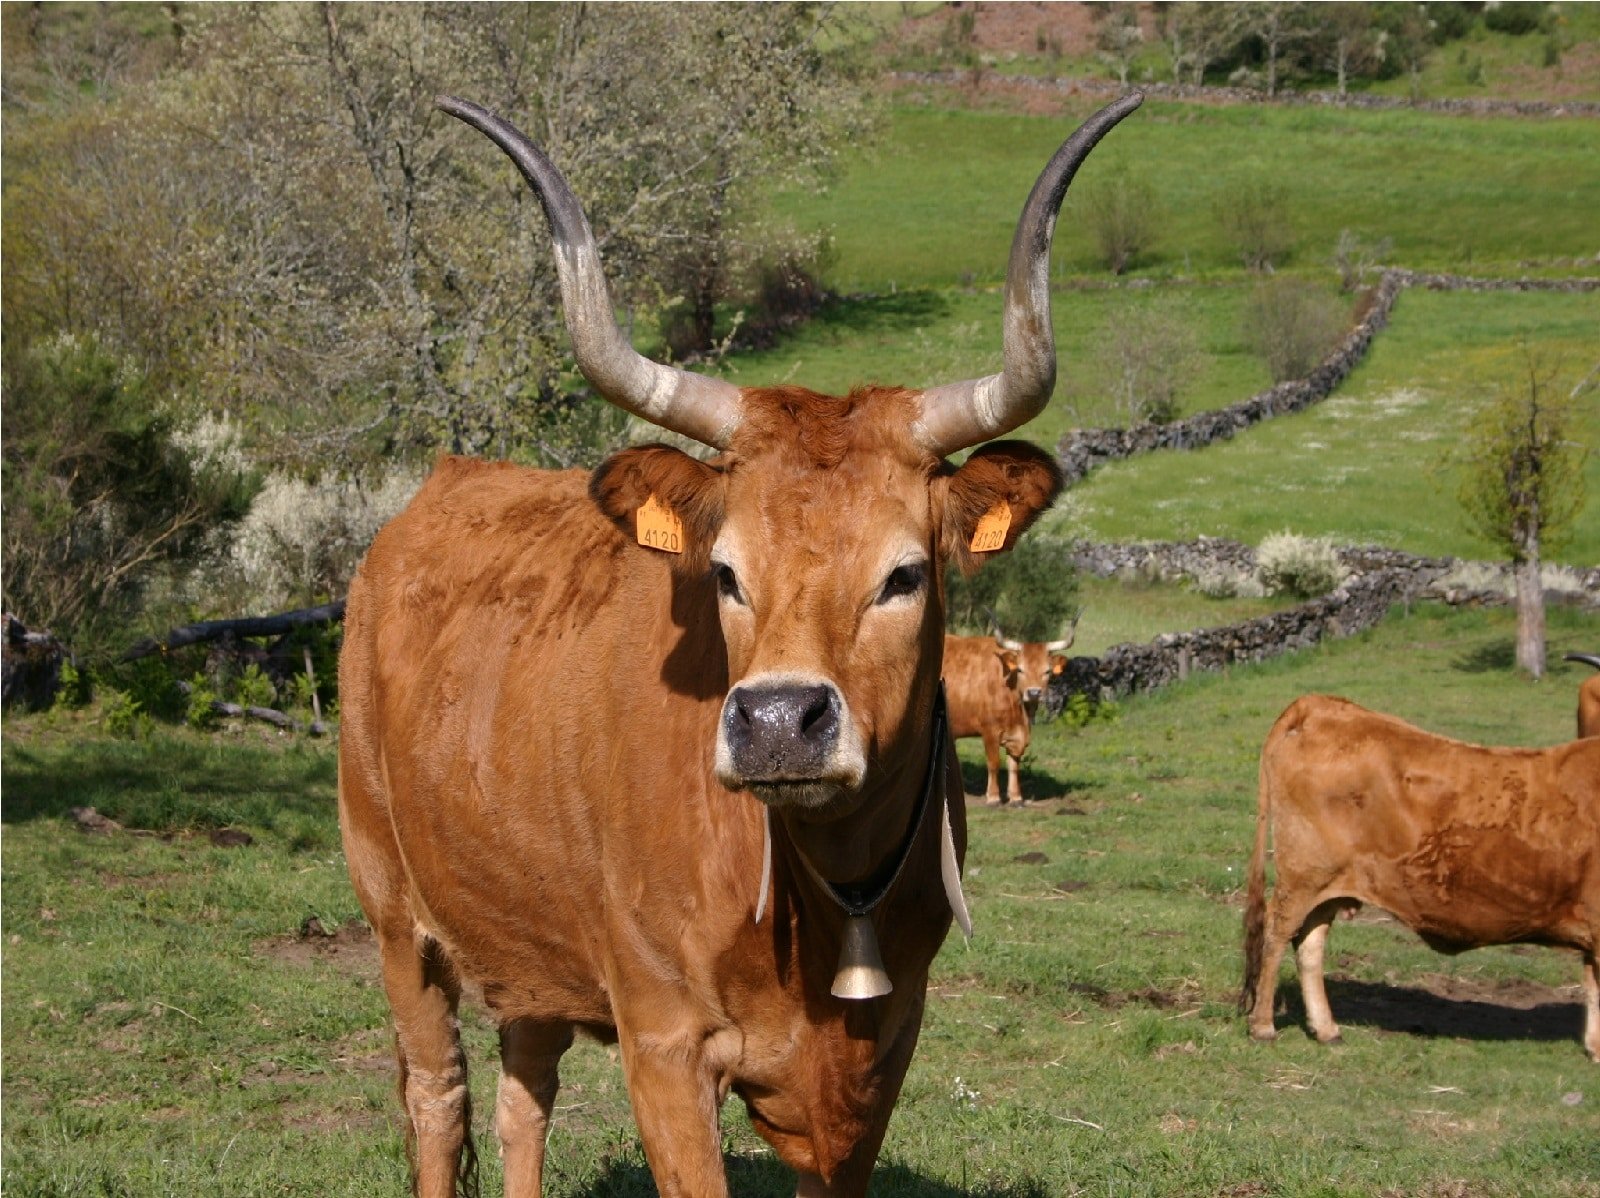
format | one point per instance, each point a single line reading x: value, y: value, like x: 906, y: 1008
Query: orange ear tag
x: 991, y: 531
x: 658, y: 526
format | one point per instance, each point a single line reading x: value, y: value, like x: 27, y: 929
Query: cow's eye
x: 903, y: 581
x: 727, y: 583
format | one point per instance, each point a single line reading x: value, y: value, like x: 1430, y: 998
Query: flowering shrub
x: 1289, y: 564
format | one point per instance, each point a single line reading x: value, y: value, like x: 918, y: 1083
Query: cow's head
x: 1036, y: 663
x: 825, y: 524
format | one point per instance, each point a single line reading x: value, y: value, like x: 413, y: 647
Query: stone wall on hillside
x: 1379, y: 578
x: 1207, y: 93
x: 1081, y: 450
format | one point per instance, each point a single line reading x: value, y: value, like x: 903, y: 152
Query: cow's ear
x: 1008, y: 661
x: 1023, y: 477
x: 689, y: 489
x: 1058, y: 665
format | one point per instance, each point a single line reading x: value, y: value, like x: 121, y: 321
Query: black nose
x: 783, y: 731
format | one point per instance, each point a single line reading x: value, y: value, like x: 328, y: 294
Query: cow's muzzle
x: 789, y: 742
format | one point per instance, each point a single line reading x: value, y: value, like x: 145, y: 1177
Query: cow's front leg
x: 674, y: 1093
x: 1013, y: 782
x: 1591, y: 1005
x: 991, y: 756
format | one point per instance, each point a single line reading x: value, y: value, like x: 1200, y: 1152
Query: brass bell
x: 860, y: 973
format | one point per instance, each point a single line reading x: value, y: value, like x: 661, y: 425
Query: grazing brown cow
x: 1588, y: 696
x: 656, y: 753
x: 980, y: 681
x: 1466, y: 845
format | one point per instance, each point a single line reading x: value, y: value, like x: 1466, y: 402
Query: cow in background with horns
x: 658, y: 753
x: 1588, y: 696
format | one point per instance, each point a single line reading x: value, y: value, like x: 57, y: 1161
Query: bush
x: 122, y: 716
x: 1144, y: 355
x: 1255, y: 218
x: 1305, y: 567
x: 302, y: 539
x: 102, y: 497
x: 1515, y: 19
x: 1122, y: 216
x: 1033, y: 590
x: 1292, y: 325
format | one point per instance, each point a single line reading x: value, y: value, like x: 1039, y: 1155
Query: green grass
x: 917, y: 338
x: 166, y: 1033
x: 1117, y: 612
x: 934, y: 201
x: 1366, y: 464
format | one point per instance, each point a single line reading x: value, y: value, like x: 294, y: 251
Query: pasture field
x: 917, y: 338
x: 1367, y: 465
x: 933, y: 201
x: 172, y: 1024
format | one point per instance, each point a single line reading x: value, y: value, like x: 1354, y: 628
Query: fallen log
x: 268, y: 715
x: 210, y: 630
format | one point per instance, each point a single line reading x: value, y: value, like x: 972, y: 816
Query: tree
x: 1145, y: 355
x: 1255, y: 217
x: 1122, y: 215
x: 1118, y: 38
x: 101, y: 494
x: 1348, y: 39
x: 1292, y: 324
x: 1032, y: 590
x: 286, y: 226
x: 1522, y: 484
x: 1280, y: 27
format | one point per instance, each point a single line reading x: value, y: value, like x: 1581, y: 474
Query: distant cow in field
x: 656, y: 752
x: 1466, y: 845
x: 1037, y: 663
x: 981, y: 683
x: 1588, y: 696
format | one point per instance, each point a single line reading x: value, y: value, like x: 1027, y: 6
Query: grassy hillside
x: 934, y: 200
x: 1368, y: 464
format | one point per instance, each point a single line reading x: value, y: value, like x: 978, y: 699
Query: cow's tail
x: 1255, y: 901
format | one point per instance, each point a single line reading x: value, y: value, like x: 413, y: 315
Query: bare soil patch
x: 352, y: 949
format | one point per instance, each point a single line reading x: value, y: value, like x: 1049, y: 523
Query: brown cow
x: 1466, y: 845
x: 1037, y: 663
x: 678, y: 798
x: 1588, y: 696
x: 980, y: 682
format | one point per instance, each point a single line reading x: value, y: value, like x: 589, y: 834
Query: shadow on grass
x: 163, y: 784
x: 901, y: 312
x: 1419, y: 1012
x: 1037, y: 785
x: 1495, y: 656
x: 764, y: 1177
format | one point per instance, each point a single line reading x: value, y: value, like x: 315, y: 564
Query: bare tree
x: 1118, y: 38
x: 1348, y: 37
x: 1522, y: 484
x: 1280, y: 26
x: 1122, y: 217
x: 1145, y: 355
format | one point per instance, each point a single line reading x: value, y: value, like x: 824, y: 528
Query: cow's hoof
x: 1269, y: 1036
x: 994, y: 802
x: 1334, y: 1041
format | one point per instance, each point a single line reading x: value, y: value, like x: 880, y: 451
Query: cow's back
x: 1466, y: 844
x: 975, y: 688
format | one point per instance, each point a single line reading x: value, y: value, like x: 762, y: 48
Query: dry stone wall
x: 1081, y: 450
x: 1379, y: 578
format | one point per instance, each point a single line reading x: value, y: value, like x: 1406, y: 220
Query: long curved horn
x: 1588, y: 659
x: 956, y: 415
x: 704, y: 408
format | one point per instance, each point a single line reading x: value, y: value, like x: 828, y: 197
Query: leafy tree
x: 1118, y: 38
x: 283, y: 222
x: 1521, y: 484
x: 1033, y: 590
x: 100, y: 493
x: 1255, y: 217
